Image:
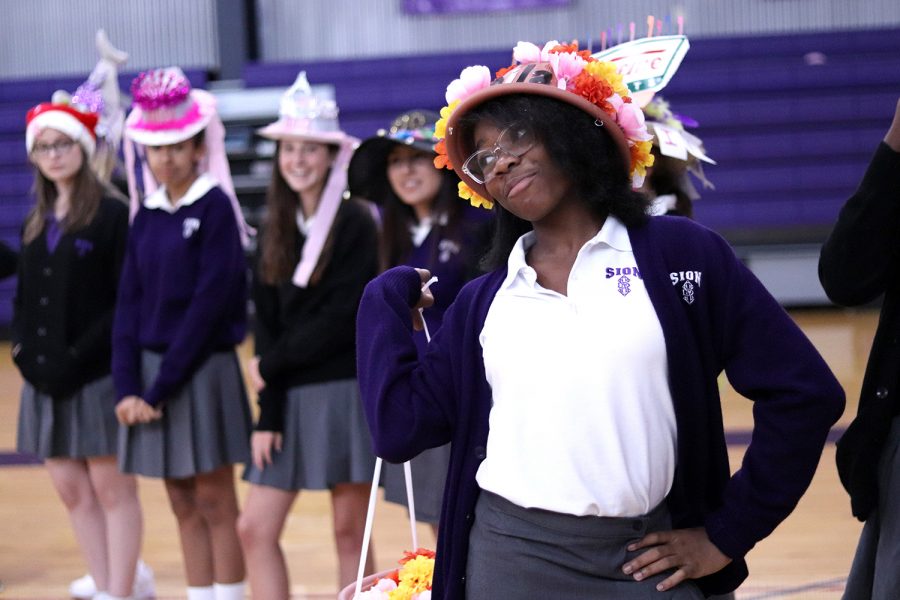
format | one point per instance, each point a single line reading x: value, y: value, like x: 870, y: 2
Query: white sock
x: 229, y: 591
x: 201, y: 593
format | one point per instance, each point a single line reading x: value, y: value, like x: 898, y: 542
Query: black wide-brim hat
x: 367, y: 173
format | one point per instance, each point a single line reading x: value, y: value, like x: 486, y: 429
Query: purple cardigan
x: 715, y: 316
x: 183, y: 293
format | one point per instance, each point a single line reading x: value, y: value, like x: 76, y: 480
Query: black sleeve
x: 9, y: 261
x: 861, y: 257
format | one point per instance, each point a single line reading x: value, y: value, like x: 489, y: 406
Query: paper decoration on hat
x: 303, y: 114
x: 100, y: 94
x: 647, y: 64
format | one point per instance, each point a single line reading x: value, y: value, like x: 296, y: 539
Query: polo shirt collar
x: 159, y: 199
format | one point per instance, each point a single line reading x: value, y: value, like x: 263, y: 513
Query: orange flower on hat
x: 441, y: 160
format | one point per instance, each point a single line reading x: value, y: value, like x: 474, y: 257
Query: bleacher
x: 791, y: 136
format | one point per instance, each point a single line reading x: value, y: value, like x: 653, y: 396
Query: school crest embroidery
x: 689, y: 281
x: 446, y: 249
x: 83, y: 246
x: 189, y: 226
x: 624, y: 285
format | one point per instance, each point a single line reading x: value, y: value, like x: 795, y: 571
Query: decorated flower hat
x: 303, y: 115
x: 167, y: 111
x: 556, y: 71
x: 368, y: 168
x: 61, y: 115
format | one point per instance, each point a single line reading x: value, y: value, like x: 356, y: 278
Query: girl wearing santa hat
x: 73, y: 243
x: 181, y: 310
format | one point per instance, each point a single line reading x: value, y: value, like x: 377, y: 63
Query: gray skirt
x: 875, y: 573
x: 325, y: 440
x: 526, y: 554
x: 204, y: 426
x: 429, y: 473
x: 82, y: 425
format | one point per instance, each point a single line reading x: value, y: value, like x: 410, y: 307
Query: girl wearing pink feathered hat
x: 180, y: 313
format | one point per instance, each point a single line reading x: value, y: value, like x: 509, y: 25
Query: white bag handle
x: 373, y: 493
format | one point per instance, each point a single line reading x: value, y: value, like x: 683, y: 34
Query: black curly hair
x: 579, y: 148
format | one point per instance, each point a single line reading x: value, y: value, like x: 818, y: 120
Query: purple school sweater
x: 715, y: 316
x: 183, y: 293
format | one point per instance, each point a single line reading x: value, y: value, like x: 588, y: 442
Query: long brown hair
x: 279, y: 255
x: 86, y: 195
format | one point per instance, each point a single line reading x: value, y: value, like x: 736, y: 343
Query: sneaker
x: 84, y: 587
x: 144, y: 584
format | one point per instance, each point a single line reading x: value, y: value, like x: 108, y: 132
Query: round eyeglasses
x: 515, y: 140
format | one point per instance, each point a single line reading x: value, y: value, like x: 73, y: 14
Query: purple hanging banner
x: 432, y: 7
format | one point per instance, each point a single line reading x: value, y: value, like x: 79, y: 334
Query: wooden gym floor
x: 807, y: 557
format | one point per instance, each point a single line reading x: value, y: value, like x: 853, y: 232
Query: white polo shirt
x: 582, y: 420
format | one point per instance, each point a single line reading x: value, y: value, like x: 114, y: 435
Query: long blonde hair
x: 86, y: 195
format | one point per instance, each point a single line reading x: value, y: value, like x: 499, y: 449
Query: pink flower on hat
x: 471, y: 79
x: 527, y: 53
x: 566, y: 65
x: 631, y: 119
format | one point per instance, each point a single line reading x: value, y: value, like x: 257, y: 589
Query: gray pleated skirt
x: 429, y: 473
x: 82, y: 425
x: 527, y: 554
x: 325, y: 440
x: 205, y: 425
x: 875, y: 574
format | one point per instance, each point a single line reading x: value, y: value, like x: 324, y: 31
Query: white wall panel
x: 323, y: 29
x: 56, y: 37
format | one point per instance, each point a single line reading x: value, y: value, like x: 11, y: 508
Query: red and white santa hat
x: 59, y: 114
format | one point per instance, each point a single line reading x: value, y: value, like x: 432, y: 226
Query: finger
x: 658, y: 566
x: 278, y: 440
x: 258, y: 460
x: 651, y: 539
x: 424, y: 275
x: 267, y: 454
x: 642, y: 560
x: 672, y: 580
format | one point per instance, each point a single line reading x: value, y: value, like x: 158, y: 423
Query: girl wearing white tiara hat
x: 181, y: 310
x: 317, y: 252
x: 73, y: 242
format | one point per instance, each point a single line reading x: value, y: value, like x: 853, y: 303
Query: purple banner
x: 431, y: 7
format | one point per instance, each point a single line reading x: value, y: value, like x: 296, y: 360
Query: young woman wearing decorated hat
x: 181, y: 310
x: 73, y: 244
x: 578, y: 381
x: 423, y: 223
x: 316, y: 253
x: 677, y: 154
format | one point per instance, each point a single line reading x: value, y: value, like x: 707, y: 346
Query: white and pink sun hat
x: 165, y: 110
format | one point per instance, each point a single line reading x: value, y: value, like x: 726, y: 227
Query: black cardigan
x: 308, y: 335
x: 63, y: 307
x: 859, y: 262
